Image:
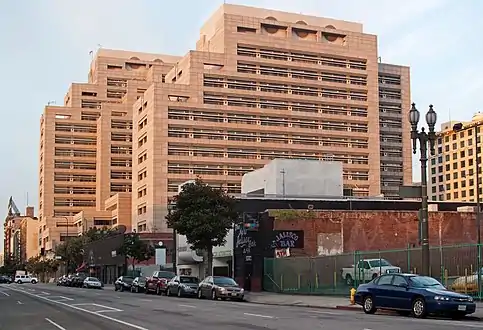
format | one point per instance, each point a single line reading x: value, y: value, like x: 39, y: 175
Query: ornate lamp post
x: 424, y: 139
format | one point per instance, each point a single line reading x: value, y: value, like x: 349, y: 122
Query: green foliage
x: 38, y: 265
x: 135, y: 248
x: 291, y: 215
x: 10, y: 265
x: 204, y: 215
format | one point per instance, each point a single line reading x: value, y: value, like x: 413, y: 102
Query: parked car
x: 139, y: 284
x: 220, y: 287
x: 78, y: 280
x: 92, y: 282
x: 158, y: 282
x: 409, y: 293
x: 61, y: 281
x: 183, y: 286
x: 367, y: 270
x: 20, y: 279
x: 123, y: 283
x: 5, y: 279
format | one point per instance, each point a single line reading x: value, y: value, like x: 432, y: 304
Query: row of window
x: 262, y: 103
x: 85, y: 141
x: 75, y: 128
x: 68, y: 152
x: 261, y: 137
x: 230, y: 187
x: 74, y: 190
x: 69, y: 202
x: 120, y: 187
x: 77, y: 165
x: 309, y: 58
x: 248, y: 153
x: 121, y: 175
x: 277, y: 121
x: 389, y: 79
x: 69, y: 177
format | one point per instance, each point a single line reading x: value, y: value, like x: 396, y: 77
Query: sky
x: 45, y: 45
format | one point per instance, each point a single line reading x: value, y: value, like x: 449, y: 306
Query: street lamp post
x: 456, y: 128
x: 424, y: 139
x: 174, y: 255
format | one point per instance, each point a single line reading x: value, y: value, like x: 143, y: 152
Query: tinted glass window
x: 127, y: 279
x: 385, y: 280
x: 425, y: 282
x: 379, y: 263
x: 188, y: 279
x: 169, y: 275
x: 224, y: 281
x: 399, y: 280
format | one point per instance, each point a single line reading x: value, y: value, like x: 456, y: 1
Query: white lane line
x: 55, y: 324
x: 131, y: 325
x: 328, y: 313
x: 46, y: 293
x: 61, y: 298
x: 19, y: 302
x: 147, y: 300
x: 5, y: 294
x: 259, y: 315
x: 187, y: 306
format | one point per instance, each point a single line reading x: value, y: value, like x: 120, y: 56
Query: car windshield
x: 127, y: 279
x: 425, y: 282
x: 188, y: 279
x: 379, y: 263
x: 169, y: 275
x: 93, y: 279
x: 224, y: 281
x: 141, y: 279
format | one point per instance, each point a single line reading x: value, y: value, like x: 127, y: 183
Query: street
x: 49, y: 307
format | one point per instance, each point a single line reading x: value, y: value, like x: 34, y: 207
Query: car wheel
x: 419, y: 308
x: 213, y: 295
x: 168, y: 292
x: 19, y: 282
x: 179, y: 293
x: 121, y: 288
x: 158, y: 292
x: 368, y: 305
x: 34, y: 282
x: 137, y: 289
x: 348, y: 280
x: 200, y: 294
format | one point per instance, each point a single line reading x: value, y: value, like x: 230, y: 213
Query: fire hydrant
x: 353, y: 296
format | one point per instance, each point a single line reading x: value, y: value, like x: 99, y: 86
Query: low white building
x: 295, y: 178
x: 190, y: 261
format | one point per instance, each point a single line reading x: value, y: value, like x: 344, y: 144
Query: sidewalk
x: 323, y: 302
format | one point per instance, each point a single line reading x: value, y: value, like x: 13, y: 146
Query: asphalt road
x: 48, y: 307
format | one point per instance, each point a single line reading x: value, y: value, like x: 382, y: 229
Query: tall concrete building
x: 264, y: 84
x: 452, y: 171
x: 395, y: 141
x: 86, y: 145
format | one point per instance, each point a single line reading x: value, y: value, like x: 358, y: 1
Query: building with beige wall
x: 265, y: 84
x: 86, y: 144
x: 261, y: 84
x: 21, y: 235
x: 452, y: 170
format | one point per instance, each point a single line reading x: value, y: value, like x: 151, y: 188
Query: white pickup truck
x: 367, y: 270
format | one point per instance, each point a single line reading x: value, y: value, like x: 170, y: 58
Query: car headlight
x: 222, y: 289
x: 441, y: 298
x: 242, y: 290
x: 470, y: 299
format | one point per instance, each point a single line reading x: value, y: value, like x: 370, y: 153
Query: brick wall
x: 347, y: 231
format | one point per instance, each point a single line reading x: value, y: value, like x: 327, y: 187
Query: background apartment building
x: 264, y: 84
x: 395, y: 141
x: 86, y: 145
x: 452, y: 169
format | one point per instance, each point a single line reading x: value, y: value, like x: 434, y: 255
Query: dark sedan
x: 139, y: 284
x: 408, y: 293
x: 5, y: 279
x: 123, y: 283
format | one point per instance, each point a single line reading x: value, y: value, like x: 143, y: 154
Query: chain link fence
x: 455, y: 266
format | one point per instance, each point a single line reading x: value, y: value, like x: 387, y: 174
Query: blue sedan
x: 408, y: 293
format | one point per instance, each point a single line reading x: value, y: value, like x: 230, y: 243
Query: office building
x: 86, y: 145
x: 265, y: 84
x: 452, y: 170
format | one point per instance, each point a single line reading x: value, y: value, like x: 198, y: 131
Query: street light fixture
x: 424, y: 138
x: 457, y: 128
x: 174, y: 255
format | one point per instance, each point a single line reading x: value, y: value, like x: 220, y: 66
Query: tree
x: 136, y: 249
x: 42, y: 267
x: 204, y: 215
x: 11, y: 264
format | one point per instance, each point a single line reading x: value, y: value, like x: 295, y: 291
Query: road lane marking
x: 187, y: 306
x: 147, y: 300
x: 259, y: 315
x: 55, y: 324
x: 5, y: 294
x: 19, y: 302
x: 328, y: 313
x: 61, y: 298
x: 112, y: 319
x: 46, y: 293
